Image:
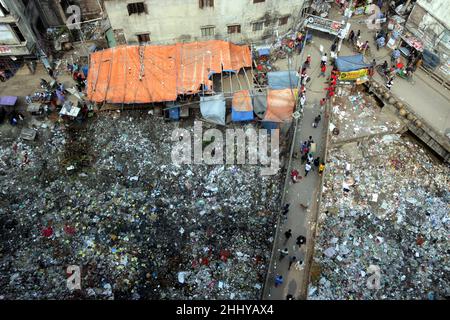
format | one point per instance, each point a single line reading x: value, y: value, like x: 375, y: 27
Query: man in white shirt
x: 307, y: 168
x: 302, y: 100
x: 324, y: 59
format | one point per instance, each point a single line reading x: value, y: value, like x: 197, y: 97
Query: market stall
x: 395, y: 27
x: 352, y: 68
x: 410, y: 45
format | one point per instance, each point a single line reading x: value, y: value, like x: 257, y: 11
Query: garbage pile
x: 358, y: 115
x: 106, y: 197
x: 384, y: 223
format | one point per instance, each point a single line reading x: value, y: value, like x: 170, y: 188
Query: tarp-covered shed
x: 159, y: 73
x: 283, y: 80
x: 280, y: 105
x: 213, y: 108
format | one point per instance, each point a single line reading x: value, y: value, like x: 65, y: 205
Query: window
x: 137, y: 7
x: 207, y: 31
x: 18, y: 33
x: 258, y: 26
x: 234, y: 29
x: 6, y: 35
x: 205, y: 3
x: 283, y: 21
x: 143, y: 38
x: 258, y: 1
x: 4, y: 11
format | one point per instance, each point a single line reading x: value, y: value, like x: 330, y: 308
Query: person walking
x: 303, y: 78
x: 292, y: 260
x: 323, y: 69
x: 307, y: 63
x: 394, y: 56
x: 310, y: 141
x: 294, y: 176
x: 51, y: 73
x: 283, y: 253
x: 317, y: 120
x: 305, y: 150
x: 301, y: 240
x: 278, y: 280
x: 321, y: 168
x: 286, y: 209
x: 303, y: 146
x: 317, y: 162
x: 351, y: 37
x: 365, y: 47
x: 381, y: 41
x: 302, y: 100
x: 287, y: 235
x: 307, y: 168
x: 324, y: 59
x: 389, y: 83
x: 333, y: 46
x: 310, y: 158
x: 299, y: 265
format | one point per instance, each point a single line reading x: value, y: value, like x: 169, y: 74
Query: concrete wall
x: 181, y: 20
x: 18, y: 14
x: 429, y: 21
x: 439, y: 9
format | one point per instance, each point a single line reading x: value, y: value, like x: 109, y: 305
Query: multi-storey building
x: 152, y: 21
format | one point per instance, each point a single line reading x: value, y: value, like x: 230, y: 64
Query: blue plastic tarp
x: 264, y: 51
x: 213, y: 108
x: 242, y: 106
x: 351, y: 63
x: 282, y: 80
x: 269, y: 125
x: 174, y: 110
x: 237, y: 116
x: 174, y: 113
x: 85, y: 70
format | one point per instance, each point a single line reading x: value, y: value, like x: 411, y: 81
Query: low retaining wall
x: 417, y: 125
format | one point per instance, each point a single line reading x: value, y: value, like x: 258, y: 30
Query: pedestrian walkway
x: 298, y: 195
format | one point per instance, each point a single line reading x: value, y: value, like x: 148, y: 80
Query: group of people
x: 77, y: 75
x: 304, y: 78
x: 357, y: 43
x: 380, y: 39
x: 414, y: 62
x: 308, y: 159
x: 293, y: 260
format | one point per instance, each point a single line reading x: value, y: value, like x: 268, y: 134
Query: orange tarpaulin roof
x: 280, y: 105
x: 134, y: 74
x: 242, y: 101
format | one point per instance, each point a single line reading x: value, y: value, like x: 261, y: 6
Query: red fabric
x: 224, y: 255
x: 69, y: 230
x: 47, y: 232
x: 324, y: 68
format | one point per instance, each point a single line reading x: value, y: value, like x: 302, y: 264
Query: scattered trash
x: 130, y: 217
x: 394, y: 215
